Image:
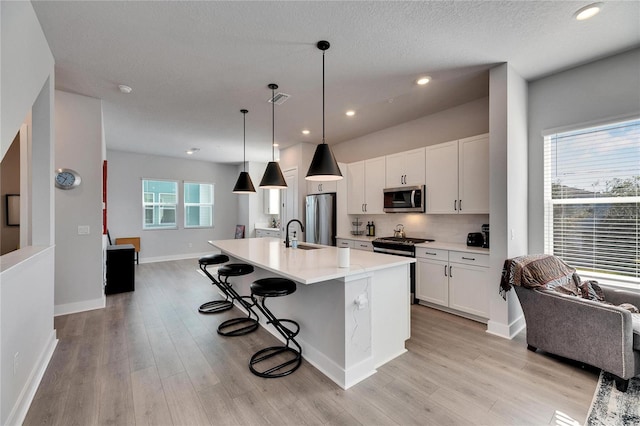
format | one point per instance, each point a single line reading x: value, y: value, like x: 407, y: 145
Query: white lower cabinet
x: 267, y: 233
x: 453, y: 279
x: 354, y: 244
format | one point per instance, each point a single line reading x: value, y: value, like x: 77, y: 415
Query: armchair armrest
x: 579, y: 329
x: 617, y: 296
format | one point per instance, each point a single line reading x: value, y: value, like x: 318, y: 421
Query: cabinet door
x: 363, y: 245
x: 406, y: 168
x: 473, y: 175
x: 374, y: 185
x: 321, y: 187
x: 468, y: 289
x: 355, y: 188
x: 341, y: 242
x: 432, y: 282
x: 441, y: 178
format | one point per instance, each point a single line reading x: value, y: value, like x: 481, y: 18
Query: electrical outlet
x: 16, y: 359
x: 83, y: 230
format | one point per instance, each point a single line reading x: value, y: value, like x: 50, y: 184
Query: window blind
x: 592, y: 199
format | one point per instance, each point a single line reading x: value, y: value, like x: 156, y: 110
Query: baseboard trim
x: 177, y: 257
x: 85, y: 305
x: 21, y: 407
x: 507, y: 331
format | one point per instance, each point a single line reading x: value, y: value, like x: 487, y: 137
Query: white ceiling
x: 194, y: 65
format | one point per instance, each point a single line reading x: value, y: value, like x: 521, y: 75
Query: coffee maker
x: 485, y: 232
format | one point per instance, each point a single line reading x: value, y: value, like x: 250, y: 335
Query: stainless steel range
x: 401, y: 246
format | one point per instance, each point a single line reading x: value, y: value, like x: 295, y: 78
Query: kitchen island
x: 352, y: 320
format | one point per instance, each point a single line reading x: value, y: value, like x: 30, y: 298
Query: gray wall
x: 592, y: 93
x: 124, y: 203
x: 79, y: 284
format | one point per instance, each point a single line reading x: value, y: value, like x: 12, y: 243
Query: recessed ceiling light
x: 305, y: 132
x: 423, y: 80
x: 588, y: 11
x: 124, y: 89
x: 350, y: 113
x: 192, y: 151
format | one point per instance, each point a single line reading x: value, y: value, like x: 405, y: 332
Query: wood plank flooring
x: 150, y: 358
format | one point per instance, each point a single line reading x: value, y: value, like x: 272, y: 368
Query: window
x: 159, y: 200
x: 592, y: 199
x: 198, y: 205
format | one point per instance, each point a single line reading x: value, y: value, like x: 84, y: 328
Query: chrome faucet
x: 286, y: 241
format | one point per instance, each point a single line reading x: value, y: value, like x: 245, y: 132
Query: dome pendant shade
x: 324, y: 166
x: 244, y: 184
x: 273, y: 178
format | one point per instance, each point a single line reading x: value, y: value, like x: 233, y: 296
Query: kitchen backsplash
x: 441, y: 227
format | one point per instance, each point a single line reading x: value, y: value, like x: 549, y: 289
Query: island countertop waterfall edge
x: 352, y: 320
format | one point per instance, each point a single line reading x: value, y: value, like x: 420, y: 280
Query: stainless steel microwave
x: 404, y: 199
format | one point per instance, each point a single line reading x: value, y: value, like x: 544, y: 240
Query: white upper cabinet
x: 457, y: 176
x: 315, y: 187
x: 271, y: 201
x: 406, y: 168
x: 442, y: 178
x: 365, y: 182
x: 473, y: 175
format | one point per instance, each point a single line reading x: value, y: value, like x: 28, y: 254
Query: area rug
x: 611, y: 407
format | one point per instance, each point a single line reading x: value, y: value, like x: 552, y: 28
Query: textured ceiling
x: 194, y: 65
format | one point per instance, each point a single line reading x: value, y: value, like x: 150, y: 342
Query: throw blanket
x: 538, y: 270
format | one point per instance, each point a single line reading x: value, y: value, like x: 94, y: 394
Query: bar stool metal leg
x: 242, y: 325
x: 276, y: 361
x: 215, y: 306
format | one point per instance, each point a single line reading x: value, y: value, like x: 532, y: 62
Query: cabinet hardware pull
x: 468, y: 258
x: 445, y: 270
x: 362, y: 207
x: 430, y: 254
x: 455, y: 205
x: 450, y: 271
x: 460, y: 205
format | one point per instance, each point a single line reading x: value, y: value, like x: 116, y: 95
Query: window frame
x: 186, y: 205
x: 550, y: 202
x: 159, y: 205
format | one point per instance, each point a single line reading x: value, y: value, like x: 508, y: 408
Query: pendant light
x: 324, y: 166
x: 273, y: 178
x: 244, y: 184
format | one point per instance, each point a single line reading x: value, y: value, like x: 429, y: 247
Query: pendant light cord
x: 244, y: 141
x: 323, y: 96
x: 273, y: 124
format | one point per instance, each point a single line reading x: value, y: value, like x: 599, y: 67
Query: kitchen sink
x: 306, y: 247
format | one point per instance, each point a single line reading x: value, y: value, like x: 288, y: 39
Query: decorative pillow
x: 591, y: 290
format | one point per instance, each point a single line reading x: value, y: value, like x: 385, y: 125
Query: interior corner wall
x: 26, y: 293
x: 124, y: 201
x: 592, y: 93
x: 79, y: 284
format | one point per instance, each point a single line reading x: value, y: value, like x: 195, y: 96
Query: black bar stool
x: 243, y: 325
x: 276, y: 287
x: 215, y: 306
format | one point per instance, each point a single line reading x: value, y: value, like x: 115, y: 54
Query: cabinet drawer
x: 433, y: 254
x: 363, y: 245
x: 344, y: 243
x: 469, y: 258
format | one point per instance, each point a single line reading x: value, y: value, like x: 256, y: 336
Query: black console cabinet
x: 120, y: 272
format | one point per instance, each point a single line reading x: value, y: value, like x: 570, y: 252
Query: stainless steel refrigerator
x: 321, y: 219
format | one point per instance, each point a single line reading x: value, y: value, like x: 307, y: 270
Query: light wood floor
x: 151, y: 358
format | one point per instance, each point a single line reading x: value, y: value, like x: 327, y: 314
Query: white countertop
x: 453, y: 246
x: 356, y: 237
x: 305, y: 266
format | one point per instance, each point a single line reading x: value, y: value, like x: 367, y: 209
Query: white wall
x: 79, y: 284
x: 591, y: 93
x: 26, y: 294
x: 251, y: 206
x: 124, y: 198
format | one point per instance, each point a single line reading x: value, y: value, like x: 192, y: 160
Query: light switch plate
x: 83, y: 230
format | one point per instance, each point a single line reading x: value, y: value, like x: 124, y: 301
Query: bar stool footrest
x: 277, y: 370
x: 215, y: 306
x: 250, y: 326
x: 290, y: 334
